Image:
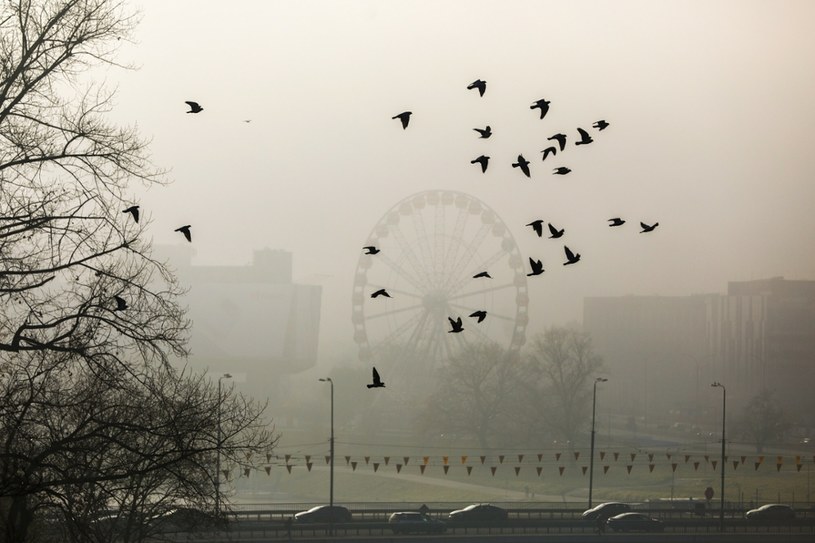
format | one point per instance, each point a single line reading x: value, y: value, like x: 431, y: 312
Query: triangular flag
x: 798, y: 467
x: 246, y: 472
x: 422, y: 467
x: 539, y: 470
x: 557, y: 456
x: 226, y: 473
x: 778, y: 466
x: 308, y: 458
x: 650, y: 457
x: 743, y: 459
x: 713, y: 463
x: 628, y: 467
x: 445, y: 460
x: 602, y: 454
x: 633, y: 456
x: 367, y: 459
x: 482, y: 458
x: 406, y: 458
x: 520, y: 458
x: 308, y: 465
x: 248, y: 455
x: 347, y: 460
x: 464, y: 459
x: 616, y: 456
x: 584, y: 468
x: 540, y: 457
x: 517, y: 470
x: 500, y: 458
x: 268, y: 457
x: 268, y: 470
x: 469, y: 470
x: 695, y: 466
x: 707, y: 458
x: 398, y: 468
x: 445, y: 468
x: 426, y: 460
x: 605, y: 469
x: 651, y: 468
x: 560, y: 469
x: 757, y: 464
x: 735, y: 464
x: 354, y: 465
x: 492, y: 469
x: 797, y: 458
x: 668, y: 455
x: 761, y: 459
x: 576, y: 455
x: 287, y: 458
x: 687, y: 457
x: 288, y: 468
x: 376, y: 466
x: 327, y: 459
x: 673, y: 466
x: 387, y: 459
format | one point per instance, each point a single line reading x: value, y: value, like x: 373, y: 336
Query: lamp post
x: 724, y: 417
x: 593, y: 414
x: 218, y: 452
x: 331, y: 468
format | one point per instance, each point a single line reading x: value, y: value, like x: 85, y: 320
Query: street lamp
x: 724, y: 413
x: 593, y: 414
x: 331, y: 453
x: 218, y: 452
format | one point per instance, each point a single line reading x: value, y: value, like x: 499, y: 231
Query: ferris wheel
x: 431, y: 245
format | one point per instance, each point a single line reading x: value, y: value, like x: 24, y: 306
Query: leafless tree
x: 763, y: 421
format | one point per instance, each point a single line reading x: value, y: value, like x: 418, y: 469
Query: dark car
x: 409, y: 521
x: 185, y: 519
x: 605, y: 511
x: 479, y: 512
x: 324, y: 513
x: 771, y: 512
x: 634, y: 522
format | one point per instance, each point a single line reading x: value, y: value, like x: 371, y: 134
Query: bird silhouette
x: 647, y: 228
x: 560, y: 139
x: 485, y: 132
x: 616, y: 221
x: 478, y: 84
x: 404, y: 117
x: 600, y: 125
x: 543, y: 105
x: 571, y: 258
x: 380, y: 292
x: 563, y: 170
x: 555, y: 232
x: 523, y: 164
x: 370, y: 250
x: 549, y: 151
x: 483, y: 160
x: 480, y: 315
x: 482, y: 274
x: 585, y: 139
x: 121, y: 304
x: 537, y: 267
x: 377, y: 380
x: 133, y: 210
x: 194, y: 107
x: 537, y: 225
x: 186, y: 231
x: 456, y: 325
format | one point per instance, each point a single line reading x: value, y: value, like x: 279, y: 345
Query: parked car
x: 479, y: 512
x: 605, y: 510
x: 634, y: 522
x: 405, y: 522
x: 324, y: 513
x: 770, y: 512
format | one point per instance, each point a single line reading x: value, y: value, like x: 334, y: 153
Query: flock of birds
x: 536, y: 266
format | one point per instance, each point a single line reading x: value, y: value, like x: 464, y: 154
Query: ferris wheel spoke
x: 458, y: 233
x: 393, y: 312
x: 481, y: 266
x: 392, y: 290
x: 410, y: 256
x: 470, y: 251
x: 491, y: 314
x: 424, y: 249
x: 402, y: 328
x: 482, y: 291
x: 439, y: 249
x: 413, y: 280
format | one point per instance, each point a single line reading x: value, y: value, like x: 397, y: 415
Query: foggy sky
x: 710, y: 105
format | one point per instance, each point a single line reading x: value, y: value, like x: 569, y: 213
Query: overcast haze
x: 710, y: 106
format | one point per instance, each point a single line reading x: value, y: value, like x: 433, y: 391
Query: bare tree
x: 561, y: 364
x: 763, y: 421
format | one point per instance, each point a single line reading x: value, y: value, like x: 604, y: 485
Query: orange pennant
x: 445, y: 460
x: 779, y: 459
x: 464, y: 459
x: 426, y: 460
x: 761, y: 459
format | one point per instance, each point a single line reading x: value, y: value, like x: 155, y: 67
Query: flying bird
x: 480, y: 315
x: 647, y: 228
x: 482, y: 274
x: 380, y: 292
x: 616, y: 221
x: 537, y: 267
x: 133, y: 210
x: 194, y: 107
x: 478, y: 84
x: 571, y: 258
x: 560, y: 139
x: 537, y: 225
x: 121, y: 304
x: 404, y: 117
x: 370, y: 250
x: 555, y: 232
x: 483, y: 160
x: 456, y: 324
x: 600, y: 125
x: 543, y: 105
x: 523, y: 164
x: 585, y: 139
x: 377, y: 380
x: 186, y: 231
x: 485, y: 132
x: 549, y: 150
x: 563, y: 170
